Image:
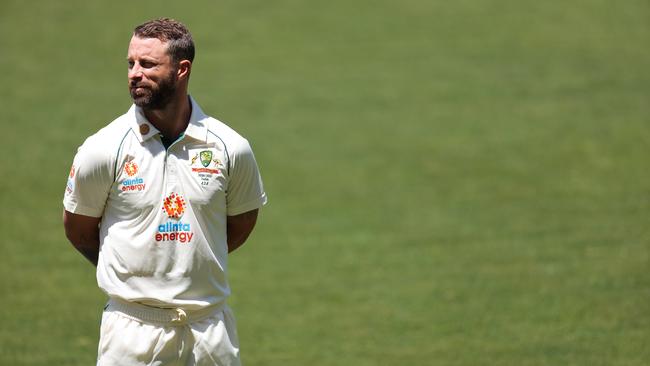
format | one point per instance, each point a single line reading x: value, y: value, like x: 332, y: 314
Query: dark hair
x: 180, y: 45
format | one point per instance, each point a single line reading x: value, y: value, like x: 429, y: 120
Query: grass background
x: 450, y: 183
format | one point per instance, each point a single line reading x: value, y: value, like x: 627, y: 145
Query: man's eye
x: 147, y: 64
x: 131, y: 63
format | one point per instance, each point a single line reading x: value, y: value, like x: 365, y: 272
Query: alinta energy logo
x: 131, y: 168
x: 176, y: 230
x: 135, y: 183
x: 69, y: 187
x: 174, y: 206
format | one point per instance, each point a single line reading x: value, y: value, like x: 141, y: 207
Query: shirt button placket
x: 172, y: 174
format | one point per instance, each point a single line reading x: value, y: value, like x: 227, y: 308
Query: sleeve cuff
x: 75, y: 208
x: 248, y: 206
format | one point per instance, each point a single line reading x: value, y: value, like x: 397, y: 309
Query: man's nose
x: 135, y: 72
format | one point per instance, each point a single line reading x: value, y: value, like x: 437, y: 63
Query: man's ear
x: 184, y: 69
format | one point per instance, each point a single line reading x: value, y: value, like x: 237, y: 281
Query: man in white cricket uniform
x: 156, y: 200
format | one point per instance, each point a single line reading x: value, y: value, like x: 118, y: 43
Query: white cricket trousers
x: 138, y: 335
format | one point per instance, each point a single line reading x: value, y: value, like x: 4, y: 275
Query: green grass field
x: 450, y: 183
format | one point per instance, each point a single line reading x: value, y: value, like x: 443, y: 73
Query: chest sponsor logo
x: 176, y: 230
x: 174, y: 206
x: 135, y: 183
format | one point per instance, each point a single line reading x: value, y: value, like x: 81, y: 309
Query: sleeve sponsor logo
x: 69, y: 187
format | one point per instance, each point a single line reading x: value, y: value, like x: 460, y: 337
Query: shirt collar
x: 196, y: 128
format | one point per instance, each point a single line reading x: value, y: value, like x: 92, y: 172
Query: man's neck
x: 172, y: 120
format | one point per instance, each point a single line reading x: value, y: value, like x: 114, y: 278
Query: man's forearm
x: 90, y: 250
x: 239, y: 228
x: 236, y: 240
x: 83, y: 233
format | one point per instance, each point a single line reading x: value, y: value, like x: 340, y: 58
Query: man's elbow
x: 68, y: 228
x: 239, y: 227
x: 80, y: 229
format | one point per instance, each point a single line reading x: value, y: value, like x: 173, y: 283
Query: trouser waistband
x: 150, y: 314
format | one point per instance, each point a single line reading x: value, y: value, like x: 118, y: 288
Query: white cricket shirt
x: 163, y: 211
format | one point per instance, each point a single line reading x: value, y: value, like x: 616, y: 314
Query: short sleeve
x: 89, y: 181
x: 245, y: 189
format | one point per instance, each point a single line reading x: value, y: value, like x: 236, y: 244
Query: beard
x: 156, y: 96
